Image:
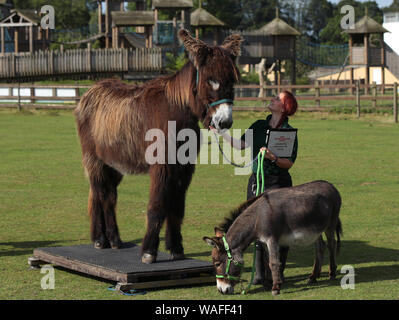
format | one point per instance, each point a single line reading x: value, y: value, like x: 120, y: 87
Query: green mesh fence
x: 318, y: 55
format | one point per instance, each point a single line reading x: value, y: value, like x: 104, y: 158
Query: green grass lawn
x: 43, y: 198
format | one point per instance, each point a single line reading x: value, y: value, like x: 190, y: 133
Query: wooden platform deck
x: 124, y: 266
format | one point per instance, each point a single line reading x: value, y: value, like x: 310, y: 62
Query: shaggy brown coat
x: 112, y: 121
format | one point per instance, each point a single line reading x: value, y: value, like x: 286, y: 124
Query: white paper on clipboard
x: 281, y: 142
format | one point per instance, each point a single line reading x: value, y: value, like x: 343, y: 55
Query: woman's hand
x: 213, y: 129
x: 268, y: 154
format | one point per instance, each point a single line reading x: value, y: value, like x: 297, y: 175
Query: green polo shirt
x: 260, y: 128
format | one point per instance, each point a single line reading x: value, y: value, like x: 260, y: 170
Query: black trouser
x: 271, y: 182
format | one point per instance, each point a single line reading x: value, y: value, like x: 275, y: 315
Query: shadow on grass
x: 26, y: 247
x: 352, y: 252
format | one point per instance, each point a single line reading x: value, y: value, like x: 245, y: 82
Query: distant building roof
x: 29, y: 15
x: 133, y: 18
x: 169, y: 4
x: 366, y: 25
x: 278, y: 27
x: 202, y: 18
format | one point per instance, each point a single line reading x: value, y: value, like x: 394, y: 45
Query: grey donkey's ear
x: 233, y: 44
x: 197, y: 49
x: 210, y: 241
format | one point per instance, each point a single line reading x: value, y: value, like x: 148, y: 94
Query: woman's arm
x: 235, y: 143
x: 280, y: 162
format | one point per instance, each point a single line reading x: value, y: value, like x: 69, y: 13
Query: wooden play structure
x: 24, y: 26
x: 367, y: 47
x: 202, y: 20
x: 275, y: 41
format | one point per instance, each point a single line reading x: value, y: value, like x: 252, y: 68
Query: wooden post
x: 175, y: 40
x: 115, y: 37
x: 383, y: 80
x: 352, y: 79
x: 374, y: 90
x: 395, y: 102
x: 19, y: 95
x: 31, y: 39
x: 16, y: 40
x: 107, y: 24
x: 383, y: 62
x: 358, y: 98
x: 317, y: 93
x: 88, y: 61
x: 54, y: 92
x: 100, y: 17
x: 2, y: 39
x: 77, y: 95
x: 154, y: 28
x: 32, y: 94
x: 366, y: 58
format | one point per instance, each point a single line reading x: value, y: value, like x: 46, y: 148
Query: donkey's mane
x: 234, y: 214
x: 179, y: 86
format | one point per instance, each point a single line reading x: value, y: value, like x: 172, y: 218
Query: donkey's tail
x: 339, y: 232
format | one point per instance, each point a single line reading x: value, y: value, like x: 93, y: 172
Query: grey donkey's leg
x: 283, y: 259
x: 274, y: 264
x: 320, y: 246
x: 260, y: 264
x: 332, y: 247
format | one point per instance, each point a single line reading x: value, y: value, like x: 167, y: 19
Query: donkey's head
x: 215, y: 76
x: 227, y: 267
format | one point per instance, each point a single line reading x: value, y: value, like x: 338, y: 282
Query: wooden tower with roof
x: 275, y: 41
x: 202, y: 19
x: 184, y: 6
x: 105, y: 24
x: 24, y: 27
x: 142, y: 20
x: 165, y: 32
x: 366, y: 47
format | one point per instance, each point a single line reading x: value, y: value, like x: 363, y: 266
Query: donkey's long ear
x: 233, y: 44
x: 210, y: 241
x: 197, y: 49
x: 213, y: 242
x: 218, y: 232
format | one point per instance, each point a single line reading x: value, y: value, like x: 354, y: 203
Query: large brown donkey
x: 113, y: 119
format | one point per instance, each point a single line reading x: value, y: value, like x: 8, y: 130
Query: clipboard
x: 281, y: 141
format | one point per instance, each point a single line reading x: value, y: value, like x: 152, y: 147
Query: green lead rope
x: 259, y: 171
x: 261, y: 158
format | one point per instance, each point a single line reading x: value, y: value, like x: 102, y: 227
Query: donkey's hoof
x: 177, y: 256
x: 98, y: 244
x: 116, y: 244
x: 275, y: 292
x: 148, y: 258
x: 312, y: 281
